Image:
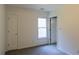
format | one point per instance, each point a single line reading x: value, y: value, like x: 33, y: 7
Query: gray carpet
x: 40, y: 50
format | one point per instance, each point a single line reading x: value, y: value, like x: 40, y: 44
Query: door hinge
x: 8, y: 44
x: 8, y: 31
x: 16, y: 33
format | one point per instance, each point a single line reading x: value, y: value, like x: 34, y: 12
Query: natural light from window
x: 42, y: 33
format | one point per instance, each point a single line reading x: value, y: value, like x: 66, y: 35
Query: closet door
x: 12, y: 41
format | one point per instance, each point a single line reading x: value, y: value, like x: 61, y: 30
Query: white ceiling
x: 43, y: 7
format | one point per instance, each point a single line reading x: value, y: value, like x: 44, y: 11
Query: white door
x: 12, y: 32
x: 53, y: 29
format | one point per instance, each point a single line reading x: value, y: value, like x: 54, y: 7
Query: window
x: 42, y: 33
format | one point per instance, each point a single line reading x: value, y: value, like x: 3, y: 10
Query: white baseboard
x: 28, y: 46
x: 68, y: 53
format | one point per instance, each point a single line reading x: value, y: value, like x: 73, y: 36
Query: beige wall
x: 68, y: 29
x: 2, y: 29
x: 27, y: 26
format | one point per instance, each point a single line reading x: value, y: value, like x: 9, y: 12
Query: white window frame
x: 42, y: 28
